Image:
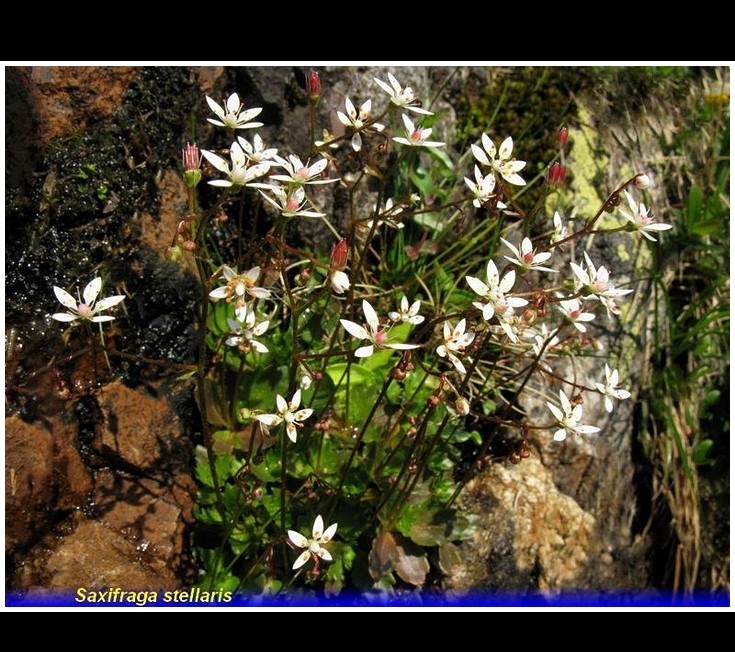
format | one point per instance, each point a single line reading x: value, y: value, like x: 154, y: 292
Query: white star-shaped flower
x: 526, y: 257
x: 257, y: 152
x: 358, y: 120
x: 290, y: 202
x: 409, y: 314
x: 569, y: 418
x: 299, y: 173
x: 595, y: 280
x: 231, y: 114
x: 610, y: 389
x: 415, y: 136
x: 88, y: 308
x: 314, y: 547
x: 495, y: 292
x: 403, y: 98
x: 500, y: 160
x: 482, y: 187
x: 371, y: 331
x: 237, y: 286
x: 288, y: 412
x: 455, y: 341
x: 573, y: 310
x: 639, y: 219
x: 240, y: 173
x: 243, y: 331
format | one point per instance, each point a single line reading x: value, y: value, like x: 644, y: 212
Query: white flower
x: 237, y: 286
x: 526, y: 257
x: 89, y: 307
x: 568, y: 418
x: 244, y: 329
x: 642, y: 181
x: 314, y: 546
x: 358, y: 121
x: 257, y: 152
x: 482, y: 188
x: 416, y: 136
x: 403, y: 98
x: 544, y: 343
x: 595, y: 280
x: 639, y: 220
x: 231, y: 114
x: 305, y: 382
x: 407, y: 313
x: 339, y: 281
x: 386, y: 217
x: 240, y: 173
x: 611, y: 389
x: 378, y: 338
x: 455, y: 341
x: 299, y: 173
x: 288, y: 412
x: 561, y: 231
x: 494, y: 292
x: 291, y: 202
x: 500, y: 160
x: 574, y: 312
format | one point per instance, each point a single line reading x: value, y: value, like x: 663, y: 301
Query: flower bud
x: 173, y: 253
x: 340, y: 281
x: 556, y: 174
x: 192, y: 160
x: 305, y: 382
x: 313, y: 86
x: 340, y: 253
x: 642, y: 181
x: 462, y: 406
x: 561, y: 137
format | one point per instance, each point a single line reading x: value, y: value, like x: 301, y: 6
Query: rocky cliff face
x: 98, y: 472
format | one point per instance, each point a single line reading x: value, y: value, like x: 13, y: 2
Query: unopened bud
x: 313, y: 86
x: 561, y: 137
x: 339, y: 281
x: 340, y: 254
x: 305, y: 382
x: 191, y: 159
x: 173, y: 253
x: 556, y: 174
x: 462, y: 406
x: 642, y: 181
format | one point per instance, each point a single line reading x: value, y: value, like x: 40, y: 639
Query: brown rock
x: 67, y: 98
x: 151, y: 514
x: 530, y: 535
x: 93, y: 556
x: 138, y: 429
x: 43, y: 474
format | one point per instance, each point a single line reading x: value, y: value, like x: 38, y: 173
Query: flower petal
x: 298, y: 539
x: 301, y: 559
x: 65, y: 299
x: 270, y: 419
x: 92, y: 290
x: 109, y: 302
x: 317, y: 528
x: 329, y: 533
x: 364, y: 351
x: 370, y: 316
x: 354, y: 329
x: 64, y: 316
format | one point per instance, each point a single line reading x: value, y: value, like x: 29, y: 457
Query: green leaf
x: 694, y: 207
x: 701, y: 453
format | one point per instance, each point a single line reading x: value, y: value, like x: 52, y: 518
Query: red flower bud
x: 340, y: 253
x: 313, y: 86
x: 556, y: 174
x: 191, y: 158
x: 562, y: 137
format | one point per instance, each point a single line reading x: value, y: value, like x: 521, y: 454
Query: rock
x: 68, y: 98
x: 137, y: 429
x: 530, y: 536
x: 44, y: 475
x: 89, y: 554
